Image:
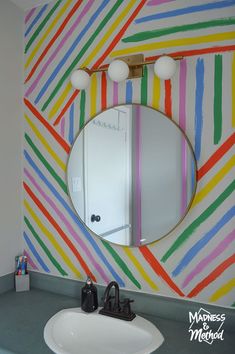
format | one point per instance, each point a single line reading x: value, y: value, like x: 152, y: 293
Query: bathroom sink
x: 73, y: 331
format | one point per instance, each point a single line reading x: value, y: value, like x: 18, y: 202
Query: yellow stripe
x: 93, y: 95
x: 102, y: 42
x: 175, y: 43
x: 51, y: 238
x: 47, y: 32
x: 109, y: 33
x: 223, y: 290
x: 214, y: 181
x: 60, y: 100
x: 45, y: 143
x: 156, y: 92
x: 140, y: 268
x: 233, y: 91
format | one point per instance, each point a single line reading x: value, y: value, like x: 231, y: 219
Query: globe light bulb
x: 165, y: 67
x: 118, y: 70
x: 80, y: 79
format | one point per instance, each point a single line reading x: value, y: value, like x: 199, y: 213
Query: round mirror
x: 131, y: 175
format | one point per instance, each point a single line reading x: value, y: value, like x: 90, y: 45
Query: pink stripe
x: 115, y: 93
x: 69, y: 227
x: 62, y: 126
x: 182, y: 123
x: 215, y: 253
x: 59, y: 47
x: 29, y: 15
x: 157, y: 2
x: 30, y: 262
x: 138, y: 174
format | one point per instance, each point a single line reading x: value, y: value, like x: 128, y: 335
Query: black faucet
x: 114, y: 308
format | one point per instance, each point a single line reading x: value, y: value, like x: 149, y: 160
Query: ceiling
x: 29, y: 4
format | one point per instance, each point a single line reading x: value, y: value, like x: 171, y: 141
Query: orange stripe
x: 218, y: 154
x: 212, y: 276
x: 103, y: 91
x: 189, y: 53
x: 158, y: 269
x: 58, y: 138
x: 54, y: 38
x: 105, y: 54
x: 168, y: 108
x: 60, y: 231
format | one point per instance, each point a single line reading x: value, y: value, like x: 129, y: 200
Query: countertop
x: 24, y: 315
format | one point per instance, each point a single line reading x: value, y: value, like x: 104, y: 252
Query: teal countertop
x: 24, y: 315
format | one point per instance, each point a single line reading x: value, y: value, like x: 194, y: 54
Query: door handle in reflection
x: 95, y: 218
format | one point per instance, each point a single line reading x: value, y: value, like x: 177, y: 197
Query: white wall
x: 11, y: 80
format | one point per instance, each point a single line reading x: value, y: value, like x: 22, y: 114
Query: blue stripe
x: 71, y: 124
x: 35, y: 253
x: 187, y: 10
x: 199, y: 106
x: 75, y: 219
x: 33, y: 23
x: 70, y: 50
x: 129, y: 91
x: 193, y: 251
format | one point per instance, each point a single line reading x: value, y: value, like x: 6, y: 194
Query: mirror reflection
x: 131, y: 175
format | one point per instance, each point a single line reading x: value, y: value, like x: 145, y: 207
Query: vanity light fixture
x: 128, y: 67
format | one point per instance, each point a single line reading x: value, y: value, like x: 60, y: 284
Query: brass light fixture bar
x: 135, y: 63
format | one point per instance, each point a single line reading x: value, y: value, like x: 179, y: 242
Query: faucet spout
x: 107, y: 296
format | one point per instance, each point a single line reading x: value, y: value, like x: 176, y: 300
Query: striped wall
x: 197, y: 259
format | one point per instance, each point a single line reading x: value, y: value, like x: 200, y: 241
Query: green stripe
x: 46, y: 164
x: 143, y: 36
x: 44, y: 247
x: 82, y: 109
x: 218, y: 99
x: 121, y: 264
x: 82, y: 52
x: 40, y: 27
x: 144, y: 87
x: 196, y: 223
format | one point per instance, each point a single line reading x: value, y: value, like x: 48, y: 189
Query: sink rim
x: 138, y: 322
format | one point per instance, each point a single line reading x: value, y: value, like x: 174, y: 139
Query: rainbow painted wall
x: 197, y: 259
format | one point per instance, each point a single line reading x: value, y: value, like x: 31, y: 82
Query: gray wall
x: 11, y: 83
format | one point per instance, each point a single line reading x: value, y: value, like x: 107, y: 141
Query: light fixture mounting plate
x: 135, y: 63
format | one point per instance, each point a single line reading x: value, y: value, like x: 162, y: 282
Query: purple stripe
x: 62, y: 126
x: 30, y: 261
x: 182, y: 123
x: 215, y: 253
x: 59, y: 47
x: 138, y: 174
x: 71, y: 230
x: 115, y: 93
x: 29, y: 15
x: 157, y: 2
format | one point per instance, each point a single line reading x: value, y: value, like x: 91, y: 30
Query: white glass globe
x: 165, y: 67
x: 80, y: 79
x: 118, y: 70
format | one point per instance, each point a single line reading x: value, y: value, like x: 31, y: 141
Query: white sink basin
x: 73, y: 331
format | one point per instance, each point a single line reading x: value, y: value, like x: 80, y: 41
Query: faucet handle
x: 126, y: 305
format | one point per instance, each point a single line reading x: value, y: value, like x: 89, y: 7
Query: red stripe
x: 119, y: 35
x: 103, y: 91
x: 66, y: 107
x: 218, y: 154
x: 60, y: 231
x: 54, y: 38
x: 168, y: 106
x: 158, y: 269
x: 189, y: 53
x: 212, y: 276
x: 106, y: 53
x: 57, y: 137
